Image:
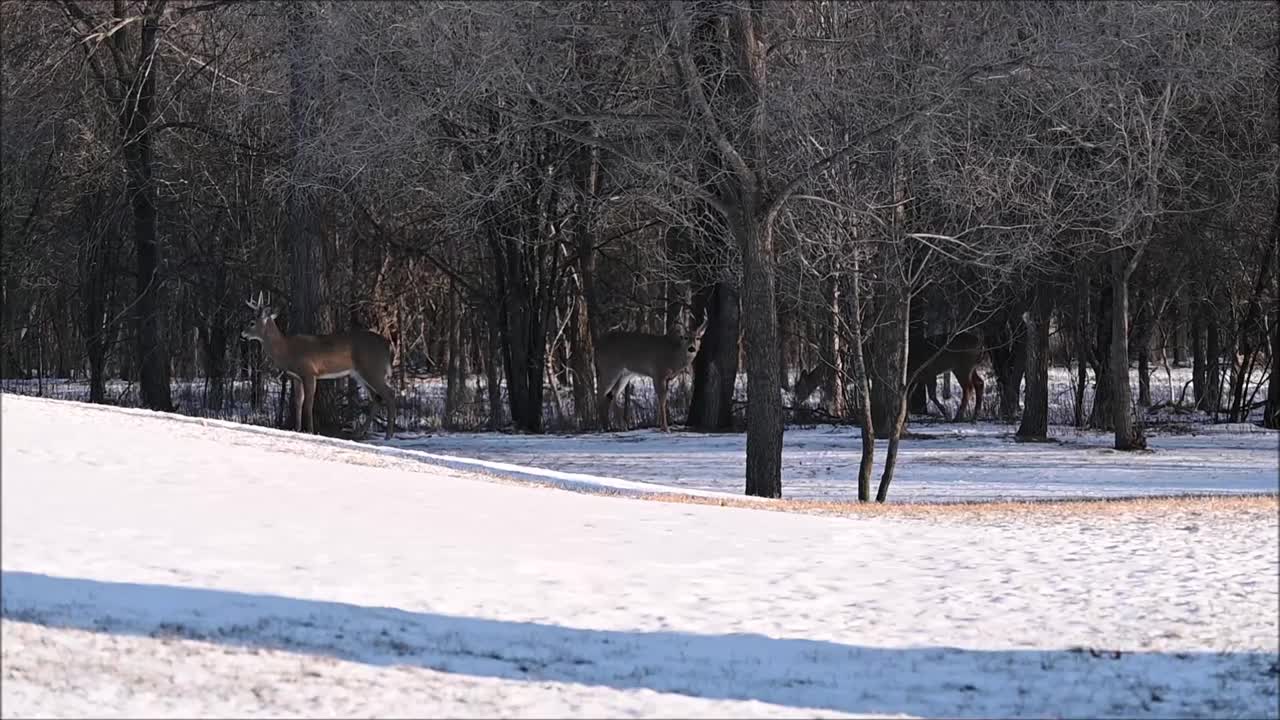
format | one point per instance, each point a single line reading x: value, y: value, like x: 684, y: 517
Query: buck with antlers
x: 927, y: 357
x: 361, y: 354
x: 622, y: 354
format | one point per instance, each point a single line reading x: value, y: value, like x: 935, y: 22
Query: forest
x: 495, y: 187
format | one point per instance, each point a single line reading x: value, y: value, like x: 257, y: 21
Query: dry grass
x: 1237, y: 506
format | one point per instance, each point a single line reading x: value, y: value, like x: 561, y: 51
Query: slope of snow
x: 943, y: 463
x: 181, y: 567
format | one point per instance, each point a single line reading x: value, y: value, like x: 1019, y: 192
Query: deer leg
x: 966, y: 389
x: 660, y: 385
x: 608, y: 389
x: 298, y: 396
x: 309, y: 401
x: 388, y: 396
x: 978, y: 386
x: 931, y: 389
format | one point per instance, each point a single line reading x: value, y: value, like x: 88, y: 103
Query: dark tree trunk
x: 1179, y: 322
x: 1199, y: 365
x: 764, y: 402
x: 1101, y: 416
x: 455, y: 379
x: 582, y: 331
x: 1008, y: 359
x: 309, y: 311
x: 715, y: 368
x: 493, y: 369
x: 1035, y: 411
x: 214, y: 341
x: 1271, y: 416
x: 832, y: 354
x: 1142, y: 348
x: 1128, y: 433
x: 863, y: 384
x: 1213, y: 366
x: 1082, y: 345
x: 135, y: 119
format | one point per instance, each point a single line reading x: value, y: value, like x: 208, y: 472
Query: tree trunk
x: 1179, y: 322
x: 1035, y: 410
x: 214, y: 338
x: 308, y: 261
x: 1128, y: 434
x: 1213, y: 367
x: 861, y: 380
x: 1271, y: 416
x: 136, y: 118
x: 1101, y: 416
x: 899, y: 416
x: 764, y: 402
x: 832, y: 355
x: 455, y: 380
x: 1082, y: 344
x: 715, y: 368
x: 1199, y: 367
x: 1008, y: 360
x: 1142, y: 348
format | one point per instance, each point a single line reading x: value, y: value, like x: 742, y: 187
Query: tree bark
x: 832, y: 353
x: 1199, y: 367
x: 135, y: 119
x: 715, y: 368
x: 1128, y: 434
x: 308, y: 262
x: 1035, y: 410
x: 862, y: 381
x: 764, y: 402
x: 1101, y: 416
x: 1271, y: 416
x: 1082, y: 344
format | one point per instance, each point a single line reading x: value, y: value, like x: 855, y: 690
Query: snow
x: 944, y: 462
x: 172, y: 566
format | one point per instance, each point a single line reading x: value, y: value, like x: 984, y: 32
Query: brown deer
x: 363, y: 355
x: 928, y: 357
x: 622, y: 354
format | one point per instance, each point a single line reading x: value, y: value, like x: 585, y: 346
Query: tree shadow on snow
x: 792, y: 672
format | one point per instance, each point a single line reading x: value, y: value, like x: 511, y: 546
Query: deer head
x: 693, y: 342
x: 262, y: 316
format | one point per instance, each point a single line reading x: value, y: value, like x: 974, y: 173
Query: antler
x: 703, y: 327
x: 257, y: 304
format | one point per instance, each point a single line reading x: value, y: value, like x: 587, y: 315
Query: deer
x: 623, y: 354
x: 928, y: 357
x: 361, y: 354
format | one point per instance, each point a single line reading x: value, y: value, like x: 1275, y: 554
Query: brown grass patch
x: 1237, y: 506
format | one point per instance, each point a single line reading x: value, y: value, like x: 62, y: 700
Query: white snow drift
x: 170, y: 567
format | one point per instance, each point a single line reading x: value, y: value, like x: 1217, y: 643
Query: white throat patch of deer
x: 623, y: 354
x: 360, y: 354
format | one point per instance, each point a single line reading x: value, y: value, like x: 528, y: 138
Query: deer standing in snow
x: 363, y: 355
x: 622, y: 354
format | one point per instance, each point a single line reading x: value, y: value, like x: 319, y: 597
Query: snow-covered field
x: 944, y: 462
x: 159, y: 565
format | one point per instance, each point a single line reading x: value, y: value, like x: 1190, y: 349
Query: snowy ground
x: 172, y: 566
x: 943, y: 463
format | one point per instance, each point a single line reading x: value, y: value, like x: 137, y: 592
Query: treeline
x: 493, y: 185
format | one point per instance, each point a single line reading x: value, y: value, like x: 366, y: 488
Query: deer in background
x: 622, y: 354
x: 361, y: 354
x: 926, y: 358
